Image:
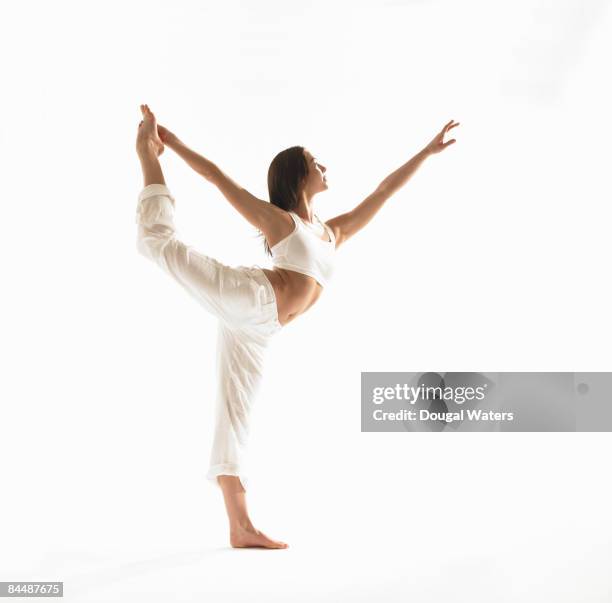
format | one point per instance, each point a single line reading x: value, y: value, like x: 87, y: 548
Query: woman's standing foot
x: 245, y: 536
x: 242, y: 532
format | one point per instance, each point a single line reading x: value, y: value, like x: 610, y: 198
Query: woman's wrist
x: 173, y: 141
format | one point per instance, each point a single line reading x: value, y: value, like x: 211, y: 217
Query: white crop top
x: 306, y: 252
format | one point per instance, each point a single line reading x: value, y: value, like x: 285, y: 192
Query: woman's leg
x: 240, y: 363
x: 151, y: 170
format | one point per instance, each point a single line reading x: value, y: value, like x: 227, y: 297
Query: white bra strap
x: 296, y: 218
x: 327, y: 229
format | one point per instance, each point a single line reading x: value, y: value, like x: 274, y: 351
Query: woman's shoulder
x: 280, y: 225
x: 281, y: 216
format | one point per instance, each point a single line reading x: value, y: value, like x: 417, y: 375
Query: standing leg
x: 240, y: 361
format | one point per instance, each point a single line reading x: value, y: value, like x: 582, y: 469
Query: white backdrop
x: 494, y: 257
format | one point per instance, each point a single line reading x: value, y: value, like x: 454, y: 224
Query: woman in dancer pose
x: 252, y: 303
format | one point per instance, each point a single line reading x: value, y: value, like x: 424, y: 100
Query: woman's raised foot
x: 147, y: 137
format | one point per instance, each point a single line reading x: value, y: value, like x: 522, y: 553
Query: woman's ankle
x: 240, y: 523
x: 146, y: 150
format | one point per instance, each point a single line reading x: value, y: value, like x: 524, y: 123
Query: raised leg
x: 151, y: 169
x: 149, y: 146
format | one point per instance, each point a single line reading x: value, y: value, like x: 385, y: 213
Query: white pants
x: 242, y: 298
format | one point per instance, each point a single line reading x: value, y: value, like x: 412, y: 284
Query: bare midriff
x: 295, y: 292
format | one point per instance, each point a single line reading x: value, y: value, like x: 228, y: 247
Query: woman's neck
x: 304, y: 207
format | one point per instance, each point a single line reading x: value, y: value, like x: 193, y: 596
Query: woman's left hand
x: 165, y: 135
x: 438, y: 144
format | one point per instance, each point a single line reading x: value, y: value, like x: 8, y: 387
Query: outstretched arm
x: 347, y: 224
x: 256, y: 211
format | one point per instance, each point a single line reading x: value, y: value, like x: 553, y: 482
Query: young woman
x: 252, y: 303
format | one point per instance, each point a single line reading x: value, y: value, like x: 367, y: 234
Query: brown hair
x: 286, y: 175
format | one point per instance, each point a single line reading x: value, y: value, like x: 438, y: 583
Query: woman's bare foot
x: 247, y: 536
x: 147, y: 137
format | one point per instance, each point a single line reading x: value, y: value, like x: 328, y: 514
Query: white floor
x: 485, y: 519
x: 396, y: 567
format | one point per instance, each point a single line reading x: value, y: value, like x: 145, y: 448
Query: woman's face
x: 316, y: 180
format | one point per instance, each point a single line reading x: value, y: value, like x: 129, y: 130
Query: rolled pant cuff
x: 155, y: 189
x: 226, y: 469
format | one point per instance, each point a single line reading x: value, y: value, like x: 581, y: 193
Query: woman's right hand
x: 166, y: 136
x: 438, y: 144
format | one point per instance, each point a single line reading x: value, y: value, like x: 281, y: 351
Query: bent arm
x: 254, y: 210
x: 351, y: 222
